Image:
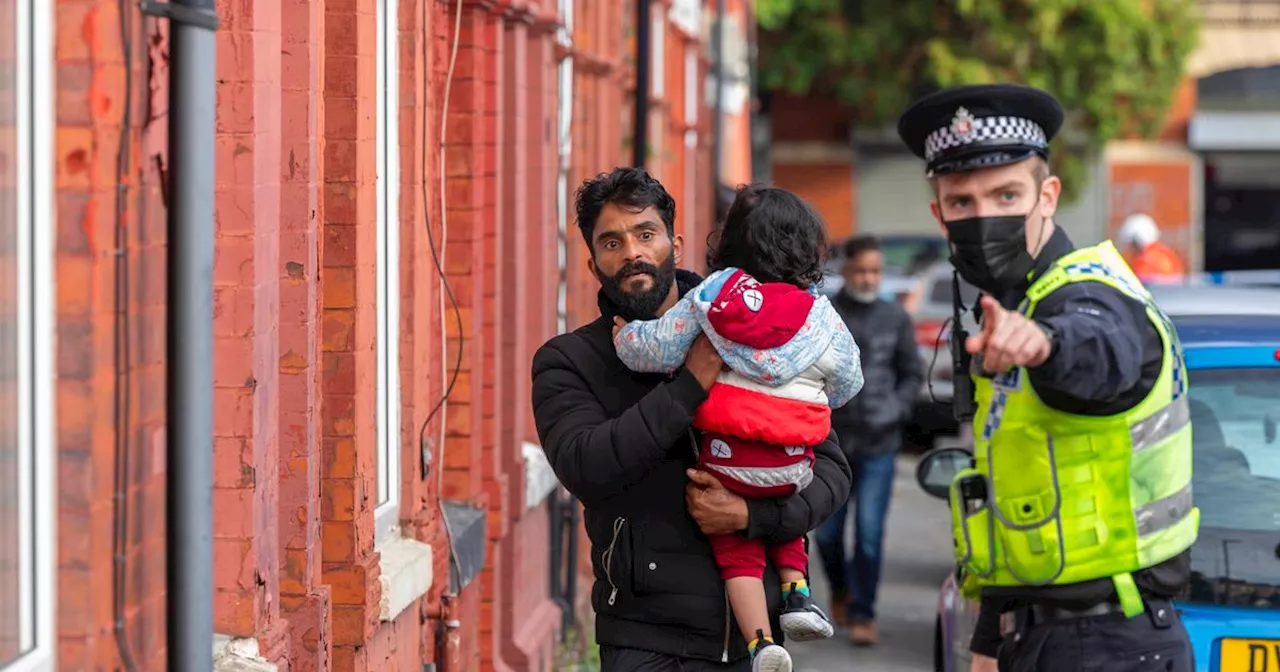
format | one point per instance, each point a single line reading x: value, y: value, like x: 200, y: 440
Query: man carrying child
x: 623, y: 443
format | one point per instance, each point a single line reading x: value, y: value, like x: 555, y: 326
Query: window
x: 657, y: 41
x: 27, y: 451
x: 1236, y: 481
x: 388, y: 272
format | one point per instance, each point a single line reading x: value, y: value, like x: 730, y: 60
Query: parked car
x: 905, y: 257
x: 1256, y: 278
x: 1232, y: 607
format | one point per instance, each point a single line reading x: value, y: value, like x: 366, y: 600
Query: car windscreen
x: 908, y: 256
x: 1236, y: 486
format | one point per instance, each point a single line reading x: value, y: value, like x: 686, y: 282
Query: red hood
x: 761, y: 315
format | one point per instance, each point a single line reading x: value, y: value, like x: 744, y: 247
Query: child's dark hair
x: 771, y: 234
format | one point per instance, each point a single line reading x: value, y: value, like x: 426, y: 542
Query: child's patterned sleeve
x: 659, y: 345
x: 845, y: 380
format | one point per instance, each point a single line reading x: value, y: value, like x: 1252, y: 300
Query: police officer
x: 1075, y: 520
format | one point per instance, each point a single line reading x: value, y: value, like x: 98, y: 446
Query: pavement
x: 917, y: 559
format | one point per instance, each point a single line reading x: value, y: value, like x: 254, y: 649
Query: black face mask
x: 991, y: 252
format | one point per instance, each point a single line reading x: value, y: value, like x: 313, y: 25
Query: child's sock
x: 801, y: 586
x: 758, y: 642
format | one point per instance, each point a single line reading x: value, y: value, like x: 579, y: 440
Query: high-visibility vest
x: 1073, y: 498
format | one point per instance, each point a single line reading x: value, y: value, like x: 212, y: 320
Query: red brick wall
x: 348, y: 356
x: 500, y: 155
x: 602, y: 118
x: 305, y: 601
x: 246, y: 326
x: 92, y: 243
x: 295, y: 563
x: 829, y: 184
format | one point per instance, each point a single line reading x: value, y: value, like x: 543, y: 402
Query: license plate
x: 1249, y: 655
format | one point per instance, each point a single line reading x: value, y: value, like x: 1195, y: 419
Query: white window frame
x: 692, y: 99
x: 37, y: 529
x: 564, y: 148
x: 387, y: 511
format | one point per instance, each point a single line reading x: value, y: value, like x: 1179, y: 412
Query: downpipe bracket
x: 191, y: 16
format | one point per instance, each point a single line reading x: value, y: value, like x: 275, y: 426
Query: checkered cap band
x: 986, y: 131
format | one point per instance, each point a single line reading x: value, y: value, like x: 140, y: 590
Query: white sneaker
x: 771, y: 658
x: 804, y: 621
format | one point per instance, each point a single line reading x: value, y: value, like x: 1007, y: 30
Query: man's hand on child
x: 715, y: 509
x: 704, y: 362
x: 618, y: 324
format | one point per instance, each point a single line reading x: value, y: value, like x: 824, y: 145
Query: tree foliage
x: 1114, y: 64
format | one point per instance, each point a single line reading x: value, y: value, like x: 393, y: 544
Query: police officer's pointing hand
x: 1008, y: 339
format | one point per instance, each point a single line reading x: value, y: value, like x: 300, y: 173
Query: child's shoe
x: 767, y: 656
x: 802, y: 620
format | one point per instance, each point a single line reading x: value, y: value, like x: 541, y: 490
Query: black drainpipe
x: 189, y: 313
x: 717, y: 121
x: 572, y: 521
x: 556, y: 537
x: 564, y: 519
x: 644, y: 27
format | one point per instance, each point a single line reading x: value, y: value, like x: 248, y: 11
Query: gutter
x: 189, y: 327
x: 640, y: 134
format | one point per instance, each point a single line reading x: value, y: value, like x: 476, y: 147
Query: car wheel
x: 939, y: 665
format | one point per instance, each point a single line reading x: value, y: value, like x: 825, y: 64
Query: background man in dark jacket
x: 622, y: 443
x: 870, y: 430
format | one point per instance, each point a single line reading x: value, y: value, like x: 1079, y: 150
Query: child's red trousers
x: 755, y: 470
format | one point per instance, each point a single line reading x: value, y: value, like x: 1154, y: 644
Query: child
x: 791, y: 360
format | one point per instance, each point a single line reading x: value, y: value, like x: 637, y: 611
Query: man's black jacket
x: 872, y: 423
x: 621, y: 442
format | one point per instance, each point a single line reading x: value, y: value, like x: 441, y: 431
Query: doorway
x: 1241, y: 211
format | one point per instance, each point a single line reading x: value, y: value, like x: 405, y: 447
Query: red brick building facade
x: 385, y: 267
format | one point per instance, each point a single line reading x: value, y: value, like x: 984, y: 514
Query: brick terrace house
x: 340, y: 222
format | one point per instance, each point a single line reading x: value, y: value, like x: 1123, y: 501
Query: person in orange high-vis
x: 1151, y: 260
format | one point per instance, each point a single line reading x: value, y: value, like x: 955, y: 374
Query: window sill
x: 238, y: 655
x: 539, y: 479
x: 406, y: 575
x: 33, y: 661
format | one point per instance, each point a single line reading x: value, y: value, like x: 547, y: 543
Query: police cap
x: 980, y: 126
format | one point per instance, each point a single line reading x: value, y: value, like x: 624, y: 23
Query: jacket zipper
x: 728, y: 620
x: 613, y: 588
x: 608, y: 560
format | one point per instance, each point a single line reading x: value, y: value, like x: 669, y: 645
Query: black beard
x: 642, y: 305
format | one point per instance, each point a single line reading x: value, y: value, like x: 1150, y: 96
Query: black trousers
x: 618, y: 659
x: 1154, y: 641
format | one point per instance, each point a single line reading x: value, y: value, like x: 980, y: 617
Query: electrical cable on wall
x: 437, y: 257
x: 123, y: 355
